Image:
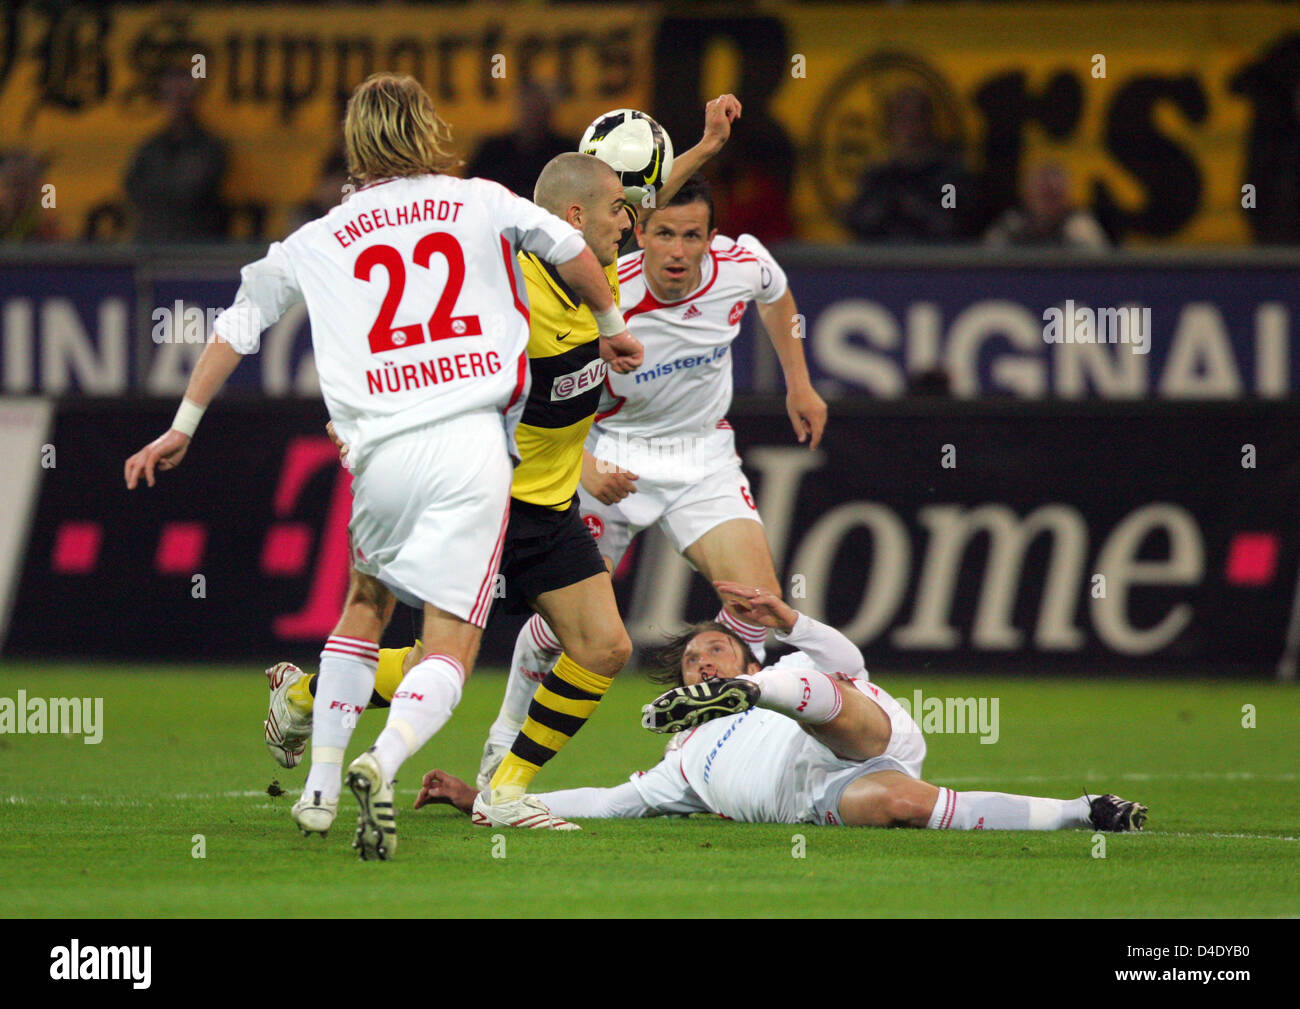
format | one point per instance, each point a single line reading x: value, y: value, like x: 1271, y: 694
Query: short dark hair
x: 664, y: 661
x: 696, y: 189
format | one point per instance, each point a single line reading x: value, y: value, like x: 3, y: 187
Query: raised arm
x: 719, y: 114
x: 829, y: 650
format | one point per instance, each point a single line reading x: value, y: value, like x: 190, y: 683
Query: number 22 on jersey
x: 442, y: 325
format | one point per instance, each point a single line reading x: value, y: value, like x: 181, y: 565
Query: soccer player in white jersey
x: 419, y: 327
x: 661, y: 451
x: 809, y: 739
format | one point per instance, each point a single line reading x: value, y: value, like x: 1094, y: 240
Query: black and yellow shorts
x: 545, y: 549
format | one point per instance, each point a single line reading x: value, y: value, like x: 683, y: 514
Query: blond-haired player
x: 419, y: 329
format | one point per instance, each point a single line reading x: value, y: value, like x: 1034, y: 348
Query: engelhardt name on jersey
x: 684, y: 387
x: 417, y: 306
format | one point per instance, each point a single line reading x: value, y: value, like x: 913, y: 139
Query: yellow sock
x: 387, y: 678
x: 562, y: 704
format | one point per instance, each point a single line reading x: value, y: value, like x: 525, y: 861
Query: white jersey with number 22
x: 417, y: 308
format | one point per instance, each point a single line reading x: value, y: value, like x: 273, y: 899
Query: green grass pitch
x: 108, y: 830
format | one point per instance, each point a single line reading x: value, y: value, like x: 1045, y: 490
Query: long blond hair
x: 392, y: 130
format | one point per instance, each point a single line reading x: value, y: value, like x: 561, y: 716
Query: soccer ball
x: 635, y: 146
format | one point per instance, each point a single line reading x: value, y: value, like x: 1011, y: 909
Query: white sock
x: 427, y: 696
x: 535, y: 655
x: 803, y: 694
x: 754, y: 635
x: 1001, y: 811
x: 347, y: 678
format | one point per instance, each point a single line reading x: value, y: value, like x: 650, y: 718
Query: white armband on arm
x: 188, y: 415
x: 610, y: 322
x: 830, y: 650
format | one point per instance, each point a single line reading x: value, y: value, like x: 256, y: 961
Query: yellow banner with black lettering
x: 77, y: 87
x: 1176, y: 122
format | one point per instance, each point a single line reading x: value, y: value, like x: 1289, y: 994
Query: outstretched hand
x: 439, y: 786
x: 756, y: 606
x: 164, y: 452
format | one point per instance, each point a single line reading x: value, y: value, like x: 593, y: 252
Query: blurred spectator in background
x: 1047, y: 216
x: 174, y: 182
x: 901, y: 199
x: 751, y: 185
x: 330, y: 190
x: 515, y: 159
x: 22, y: 218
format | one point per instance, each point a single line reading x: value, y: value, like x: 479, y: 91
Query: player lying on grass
x: 808, y: 739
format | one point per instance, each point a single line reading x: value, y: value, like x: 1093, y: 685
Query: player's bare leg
x: 888, y: 799
x: 585, y: 619
x: 861, y: 729
x: 535, y: 654
x: 894, y: 799
x: 347, y: 677
x: 737, y: 551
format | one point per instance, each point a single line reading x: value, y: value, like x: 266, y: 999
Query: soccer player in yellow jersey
x: 550, y: 561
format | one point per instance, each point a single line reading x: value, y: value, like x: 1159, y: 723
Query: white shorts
x: 683, y: 510
x: 829, y: 777
x: 429, y: 513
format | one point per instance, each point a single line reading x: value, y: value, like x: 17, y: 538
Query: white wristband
x: 609, y: 322
x: 188, y: 415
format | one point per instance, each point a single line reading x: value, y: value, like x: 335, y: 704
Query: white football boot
x: 376, y: 828
x: 314, y: 815
x: 286, y: 730
x: 527, y: 812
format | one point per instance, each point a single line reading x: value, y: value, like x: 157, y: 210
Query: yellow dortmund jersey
x: 567, y: 374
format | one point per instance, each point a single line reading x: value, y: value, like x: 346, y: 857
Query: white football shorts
x: 830, y: 776
x: 684, y: 511
x: 429, y: 513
